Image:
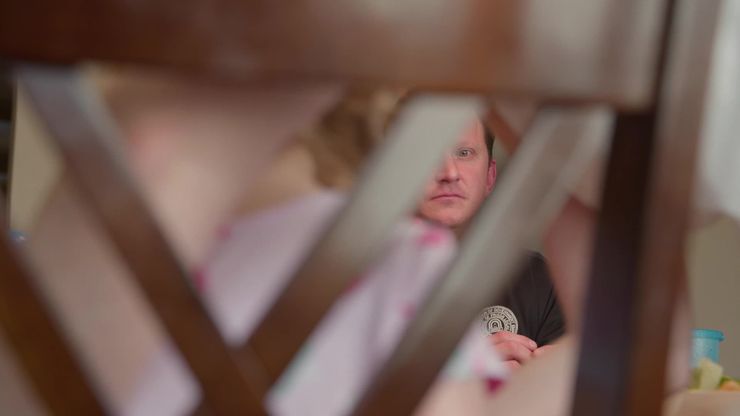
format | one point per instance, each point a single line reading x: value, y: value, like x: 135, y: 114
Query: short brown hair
x: 489, y: 139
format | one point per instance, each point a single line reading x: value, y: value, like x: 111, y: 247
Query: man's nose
x: 448, y: 172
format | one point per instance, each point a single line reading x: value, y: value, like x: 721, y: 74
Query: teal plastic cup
x: 706, y: 345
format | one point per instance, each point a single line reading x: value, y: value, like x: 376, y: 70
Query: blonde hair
x: 345, y: 136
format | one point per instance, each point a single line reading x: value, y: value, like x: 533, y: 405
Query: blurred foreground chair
x: 643, y: 60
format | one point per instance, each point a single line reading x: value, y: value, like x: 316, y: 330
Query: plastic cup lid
x: 709, y: 333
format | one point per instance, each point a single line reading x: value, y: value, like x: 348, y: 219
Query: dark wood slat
x: 610, y: 301
x: 639, y: 248
x: 6, y: 94
x: 570, y: 49
x: 86, y: 139
x: 39, y: 343
x: 558, y: 146
x: 396, y: 174
x: 670, y: 202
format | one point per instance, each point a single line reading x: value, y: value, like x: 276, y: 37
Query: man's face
x: 462, y: 183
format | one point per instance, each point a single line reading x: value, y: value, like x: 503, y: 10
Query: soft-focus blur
x: 206, y: 155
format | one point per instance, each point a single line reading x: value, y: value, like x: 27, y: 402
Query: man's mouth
x: 447, y: 195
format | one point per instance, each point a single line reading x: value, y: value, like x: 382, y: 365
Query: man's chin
x: 445, y: 221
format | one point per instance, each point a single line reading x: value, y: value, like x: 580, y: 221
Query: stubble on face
x: 461, y: 184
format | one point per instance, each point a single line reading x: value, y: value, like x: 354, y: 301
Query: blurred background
x: 30, y: 167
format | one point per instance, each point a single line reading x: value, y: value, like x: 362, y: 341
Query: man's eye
x: 464, y: 153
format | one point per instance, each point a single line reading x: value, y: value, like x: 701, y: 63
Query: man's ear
x: 491, y: 176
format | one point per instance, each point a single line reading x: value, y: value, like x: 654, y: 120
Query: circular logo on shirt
x: 499, y: 318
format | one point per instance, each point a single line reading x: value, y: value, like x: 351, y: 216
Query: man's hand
x: 541, y: 350
x: 515, y: 349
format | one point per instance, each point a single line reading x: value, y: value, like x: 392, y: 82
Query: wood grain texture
x: 670, y: 201
x: 639, y: 249
x: 86, y: 141
x: 610, y: 300
x: 566, y: 50
x: 39, y: 343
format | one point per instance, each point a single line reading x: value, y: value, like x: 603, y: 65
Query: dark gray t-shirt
x: 529, y: 306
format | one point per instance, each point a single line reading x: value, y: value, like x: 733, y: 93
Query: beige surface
x: 550, y: 377
x: 714, y: 278
x: 101, y: 309
x: 703, y: 404
x: 35, y: 166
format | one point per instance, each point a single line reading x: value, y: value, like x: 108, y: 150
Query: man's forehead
x: 473, y: 135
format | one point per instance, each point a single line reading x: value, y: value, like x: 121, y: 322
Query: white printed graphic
x: 499, y: 318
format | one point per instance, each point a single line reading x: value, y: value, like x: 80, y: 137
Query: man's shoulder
x: 535, y: 257
x: 535, y: 270
x: 529, y: 306
x: 531, y: 285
